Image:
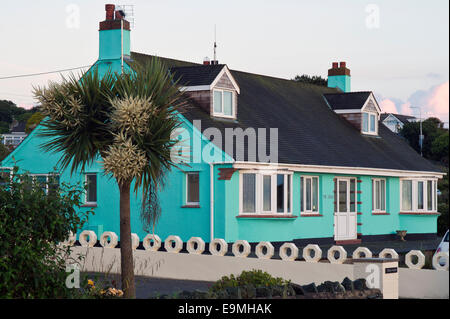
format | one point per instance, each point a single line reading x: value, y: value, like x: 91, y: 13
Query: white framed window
x: 309, y: 201
x: 223, y: 103
x: 48, y: 182
x: 418, y: 195
x: 378, y: 195
x: 91, y: 191
x: 192, y: 188
x: 266, y: 193
x: 369, y: 123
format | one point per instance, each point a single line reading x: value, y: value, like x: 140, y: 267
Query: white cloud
x: 433, y: 102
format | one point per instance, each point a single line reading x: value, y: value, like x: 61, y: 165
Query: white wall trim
x: 338, y: 169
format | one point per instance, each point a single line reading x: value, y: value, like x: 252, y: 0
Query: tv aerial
x: 128, y: 13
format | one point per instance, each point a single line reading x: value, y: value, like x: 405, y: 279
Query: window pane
x: 352, y: 195
x: 335, y: 195
x: 342, y: 196
x: 249, y: 192
x: 91, y: 195
x: 218, y: 101
x: 365, y: 122
x: 420, y: 195
x: 301, y: 194
x: 280, y: 193
x: 383, y: 195
x: 435, y: 196
x: 315, y: 194
x: 42, y: 182
x: 267, y: 193
x: 193, y: 188
x: 227, y: 103
x: 430, y: 195
x: 289, y: 193
x: 308, y: 194
x: 53, y: 183
x: 406, y: 195
x: 377, y: 195
x: 372, y: 123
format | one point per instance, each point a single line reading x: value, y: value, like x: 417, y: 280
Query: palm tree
x: 126, y: 119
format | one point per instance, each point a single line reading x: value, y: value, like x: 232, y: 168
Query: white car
x: 443, y: 247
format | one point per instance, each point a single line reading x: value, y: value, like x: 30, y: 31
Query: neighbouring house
x: 16, y: 135
x: 395, y: 122
x: 269, y: 159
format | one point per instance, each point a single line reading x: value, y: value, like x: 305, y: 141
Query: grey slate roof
x: 351, y: 100
x: 196, y: 75
x: 402, y: 118
x: 308, y: 131
x: 19, y: 128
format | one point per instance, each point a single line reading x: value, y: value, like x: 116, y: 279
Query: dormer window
x: 211, y: 86
x: 369, y: 123
x: 223, y: 103
x: 360, y: 109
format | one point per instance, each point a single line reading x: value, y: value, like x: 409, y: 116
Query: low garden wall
x: 300, y: 267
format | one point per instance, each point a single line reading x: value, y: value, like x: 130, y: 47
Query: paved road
x: 147, y: 287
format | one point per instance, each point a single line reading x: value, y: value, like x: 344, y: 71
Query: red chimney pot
x: 335, y: 65
x: 342, y: 64
x: 110, y: 11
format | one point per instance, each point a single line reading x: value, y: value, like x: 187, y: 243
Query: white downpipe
x: 211, y: 201
x: 121, y: 44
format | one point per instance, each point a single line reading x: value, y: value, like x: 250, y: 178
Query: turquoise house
x: 269, y: 159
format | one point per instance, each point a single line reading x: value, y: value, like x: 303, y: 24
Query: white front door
x: 345, y: 209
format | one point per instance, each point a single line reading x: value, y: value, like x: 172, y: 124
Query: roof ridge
x: 353, y: 92
x: 233, y: 70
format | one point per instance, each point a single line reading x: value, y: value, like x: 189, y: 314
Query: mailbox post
x: 380, y: 273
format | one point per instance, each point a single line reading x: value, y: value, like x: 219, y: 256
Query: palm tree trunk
x: 126, y: 252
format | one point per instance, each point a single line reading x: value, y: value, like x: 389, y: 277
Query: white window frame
x: 33, y: 176
x: 369, y: 132
x: 414, y: 204
x: 259, y: 205
x: 233, y: 106
x: 304, y: 211
x: 188, y: 203
x: 86, y: 193
x: 374, y: 209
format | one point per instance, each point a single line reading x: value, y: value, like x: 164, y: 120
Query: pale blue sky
x: 406, y: 54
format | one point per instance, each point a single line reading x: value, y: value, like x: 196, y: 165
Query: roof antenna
x: 215, y: 46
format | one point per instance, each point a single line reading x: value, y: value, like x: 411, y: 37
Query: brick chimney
x: 110, y: 46
x: 339, y: 77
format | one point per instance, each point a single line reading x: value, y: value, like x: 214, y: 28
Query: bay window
x: 418, y: 195
x: 266, y: 193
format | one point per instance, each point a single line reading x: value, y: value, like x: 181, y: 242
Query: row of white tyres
x: 264, y: 249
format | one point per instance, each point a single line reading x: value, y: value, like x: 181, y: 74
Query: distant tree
x: 432, y: 128
x: 315, y: 79
x: 4, y: 127
x: 4, y: 151
x: 439, y: 148
x: 33, y: 121
x: 443, y: 204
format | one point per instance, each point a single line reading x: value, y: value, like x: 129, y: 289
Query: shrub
x: 254, y: 278
x: 34, y: 219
